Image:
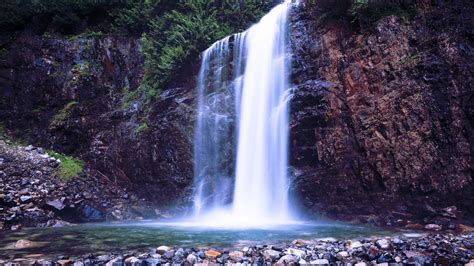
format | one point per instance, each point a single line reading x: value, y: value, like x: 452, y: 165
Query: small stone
x: 22, y: 243
x: 25, y: 199
x: 342, y: 255
x: 353, y: 244
x: 433, y: 227
x: 132, y: 260
x: 270, y: 254
x: 64, y: 262
x: 319, y: 262
x: 15, y: 227
x: 57, y: 204
x: 397, y: 259
x: 111, y: 262
x: 297, y: 252
x: 162, y: 249
x: 383, y: 243
x: 236, y: 256
x: 360, y: 264
x: 300, y: 242
x: 302, y: 262
x: 287, y: 259
x: 192, y: 259
x: 212, y: 254
x: 201, y: 254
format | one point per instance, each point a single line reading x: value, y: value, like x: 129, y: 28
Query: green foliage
x: 142, y: 128
x: 175, y: 33
x: 362, y: 13
x: 129, y: 96
x: 65, y: 15
x: 172, y: 32
x: 367, y: 13
x: 59, y: 118
x: 69, y: 167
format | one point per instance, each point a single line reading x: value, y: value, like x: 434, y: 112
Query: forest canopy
x: 171, y: 32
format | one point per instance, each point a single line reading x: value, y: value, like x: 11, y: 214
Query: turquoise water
x: 104, y: 238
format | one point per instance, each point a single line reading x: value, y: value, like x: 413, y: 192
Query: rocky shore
x: 33, y: 195
x: 409, y: 248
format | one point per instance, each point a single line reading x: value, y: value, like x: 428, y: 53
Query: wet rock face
x: 70, y: 95
x: 382, y: 121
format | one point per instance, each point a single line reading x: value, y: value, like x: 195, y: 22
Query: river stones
x: 191, y: 258
x: 162, y: 249
x: 23, y: 243
x: 270, y: 254
x: 297, y: 252
x: 383, y: 244
x: 433, y: 227
x: 212, y: 254
x: 319, y: 262
x: 287, y: 259
x: 236, y: 256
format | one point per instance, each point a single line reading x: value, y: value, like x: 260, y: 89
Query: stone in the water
x: 162, y: 249
x: 433, y: 227
x: 22, y: 243
x: 383, y: 244
x: 236, y: 256
x: 212, y: 254
x: 319, y: 262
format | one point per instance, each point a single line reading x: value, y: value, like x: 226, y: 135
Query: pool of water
x: 96, y: 239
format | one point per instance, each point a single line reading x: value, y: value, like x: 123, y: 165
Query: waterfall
x: 241, y: 138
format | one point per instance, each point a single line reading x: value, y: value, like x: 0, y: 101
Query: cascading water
x: 242, y: 128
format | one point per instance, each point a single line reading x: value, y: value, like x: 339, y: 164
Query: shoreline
x: 409, y: 248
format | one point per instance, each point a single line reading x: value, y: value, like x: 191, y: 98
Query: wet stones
x: 448, y: 249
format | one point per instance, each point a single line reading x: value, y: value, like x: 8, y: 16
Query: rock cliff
x: 382, y: 119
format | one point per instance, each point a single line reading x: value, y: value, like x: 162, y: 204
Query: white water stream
x: 241, y: 142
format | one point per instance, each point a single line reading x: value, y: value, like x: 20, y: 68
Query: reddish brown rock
x: 382, y: 121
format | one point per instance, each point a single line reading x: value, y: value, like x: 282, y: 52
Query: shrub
x: 69, y: 167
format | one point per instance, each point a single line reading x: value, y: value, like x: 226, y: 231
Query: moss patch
x: 59, y: 118
x: 69, y: 167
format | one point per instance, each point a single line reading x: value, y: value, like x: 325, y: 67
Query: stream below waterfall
x: 106, y: 238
